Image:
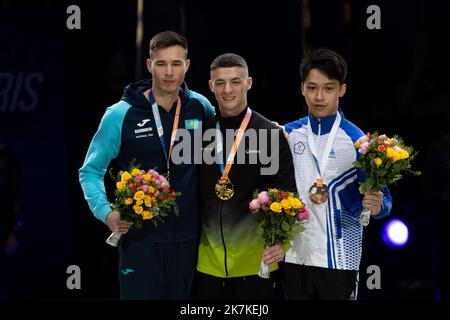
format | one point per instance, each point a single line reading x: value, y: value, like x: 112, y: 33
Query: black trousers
x: 314, y: 283
x: 156, y: 271
x: 207, y: 287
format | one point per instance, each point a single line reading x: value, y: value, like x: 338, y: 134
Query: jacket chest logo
x: 142, y: 132
x: 299, y: 147
x: 332, y: 154
x: 143, y: 122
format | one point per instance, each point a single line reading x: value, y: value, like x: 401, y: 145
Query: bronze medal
x: 224, y: 189
x: 318, y: 193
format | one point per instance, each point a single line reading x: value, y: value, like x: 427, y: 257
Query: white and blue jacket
x: 333, y: 235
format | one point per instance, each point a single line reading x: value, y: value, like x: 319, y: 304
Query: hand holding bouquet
x: 384, y: 161
x: 280, y: 215
x: 142, y: 195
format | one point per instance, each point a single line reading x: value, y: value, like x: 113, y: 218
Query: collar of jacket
x: 133, y: 93
x: 325, y: 123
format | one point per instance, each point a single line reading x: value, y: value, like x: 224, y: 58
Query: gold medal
x: 318, y: 193
x: 224, y: 189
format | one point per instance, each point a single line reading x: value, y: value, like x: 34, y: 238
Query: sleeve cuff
x: 102, y: 213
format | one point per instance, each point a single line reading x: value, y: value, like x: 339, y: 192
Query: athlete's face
x: 168, y: 67
x: 322, y: 93
x: 230, y: 86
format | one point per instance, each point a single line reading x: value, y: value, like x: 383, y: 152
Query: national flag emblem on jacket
x: 191, y: 123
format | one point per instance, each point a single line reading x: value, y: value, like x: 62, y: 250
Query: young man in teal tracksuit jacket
x: 154, y: 262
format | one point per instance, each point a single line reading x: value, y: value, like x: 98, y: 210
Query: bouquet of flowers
x: 384, y: 160
x: 142, y: 195
x: 280, y: 215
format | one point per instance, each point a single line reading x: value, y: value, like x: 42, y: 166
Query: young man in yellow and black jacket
x: 230, y: 251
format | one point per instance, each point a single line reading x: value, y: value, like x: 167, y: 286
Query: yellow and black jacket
x: 229, y: 245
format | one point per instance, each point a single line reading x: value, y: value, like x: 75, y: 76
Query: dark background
x: 55, y: 84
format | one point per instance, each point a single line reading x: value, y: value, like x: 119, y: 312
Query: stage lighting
x: 395, y: 233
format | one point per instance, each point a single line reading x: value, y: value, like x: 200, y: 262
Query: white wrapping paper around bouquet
x: 264, y: 270
x: 113, y: 239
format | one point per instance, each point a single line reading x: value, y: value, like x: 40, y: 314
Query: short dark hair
x: 325, y: 60
x: 167, y: 39
x: 228, y: 60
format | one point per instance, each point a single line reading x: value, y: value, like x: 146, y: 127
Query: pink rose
x: 382, y: 137
x: 304, y: 214
x: 144, y: 188
x: 153, y: 172
x: 263, y: 198
x: 163, y: 181
x: 139, y: 178
x: 364, y: 148
x: 254, y: 205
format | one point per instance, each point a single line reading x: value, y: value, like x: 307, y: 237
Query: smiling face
x: 168, y: 67
x: 322, y: 94
x: 230, y: 86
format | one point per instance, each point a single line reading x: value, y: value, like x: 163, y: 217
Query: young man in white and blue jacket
x: 323, y: 261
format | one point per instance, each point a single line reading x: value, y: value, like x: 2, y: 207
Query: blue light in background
x: 395, y: 233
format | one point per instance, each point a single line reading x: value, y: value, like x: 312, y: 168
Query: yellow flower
x: 286, y: 204
x: 135, y: 172
x: 390, y: 153
x: 128, y: 201
x: 295, y: 203
x: 357, y: 144
x: 139, y: 195
x: 403, y: 154
x: 120, y: 185
x: 139, y: 202
x: 276, y: 207
x: 397, y: 153
x: 147, y: 215
x: 125, y: 176
x: 138, y: 209
x: 151, y: 189
x: 148, y: 201
x: 147, y: 177
x: 378, y: 161
x: 389, y: 140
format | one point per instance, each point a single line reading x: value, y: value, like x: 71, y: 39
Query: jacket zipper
x: 319, y: 132
x: 223, y: 240
x: 320, y: 128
